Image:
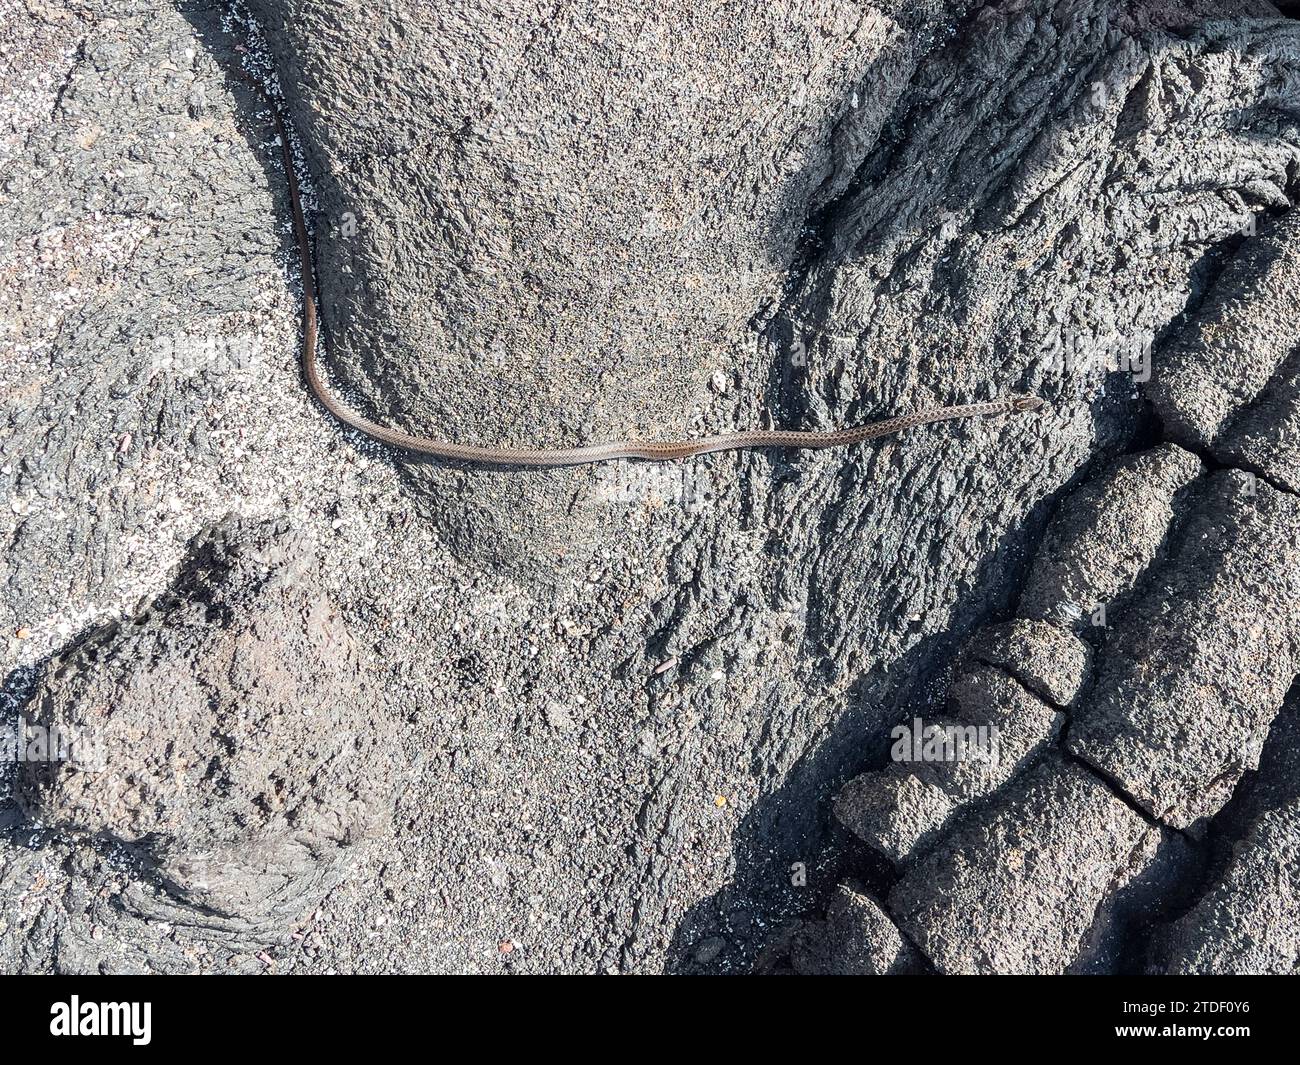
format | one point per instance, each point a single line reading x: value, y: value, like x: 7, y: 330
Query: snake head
x: 1026, y: 403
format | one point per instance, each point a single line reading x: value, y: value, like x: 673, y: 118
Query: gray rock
x: 1192, y: 675
x: 1246, y: 922
x: 1019, y: 889
x: 77, y: 907
x: 1277, y: 780
x: 1265, y: 436
x: 546, y: 279
x: 152, y: 329
x: 1230, y: 383
x: 226, y: 732
x: 1243, y: 920
x: 1103, y: 541
x: 857, y: 938
x: 961, y: 200
x: 1051, y: 662
x: 1025, y: 725
x: 999, y: 729
x: 62, y: 912
x: 893, y: 810
x: 1225, y: 356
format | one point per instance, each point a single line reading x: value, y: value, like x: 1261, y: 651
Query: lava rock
x: 1192, y: 676
x: 1018, y: 889
x: 1225, y: 356
x: 227, y: 734
x: 893, y: 810
x: 1099, y: 545
x: 1245, y: 923
x: 999, y: 728
x: 1051, y: 662
x: 857, y: 938
x: 1265, y: 437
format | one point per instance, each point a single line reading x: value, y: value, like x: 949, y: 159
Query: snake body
x: 550, y: 457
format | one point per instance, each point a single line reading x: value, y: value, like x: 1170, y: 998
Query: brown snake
x: 516, y: 456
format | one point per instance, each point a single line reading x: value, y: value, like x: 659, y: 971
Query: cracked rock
x: 1193, y: 674
x: 893, y: 810
x: 1245, y: 923
x: 1226, y: 355
x: 1017, y: 889
x: 568, y: 224
x: 1105, y: 537
x: 1051, y: 662
x: 1024, y: 722
x: 1265, y: 437
x: 1230, y: 384
x: 907, y: 805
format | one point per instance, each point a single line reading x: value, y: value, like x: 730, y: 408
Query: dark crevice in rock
x: 1113, y: 786
x: 1214, y: 464
x: 77, y: 60
x: 1003, y: 669
x: 1245, y: 857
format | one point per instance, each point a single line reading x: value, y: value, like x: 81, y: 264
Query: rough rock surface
x: 626, y: 694
x: 1248, y: 417
x: 233, y: 738
x: 1265, y: 438
x: 1249, y: 324
x: 900, y: 808
x: 857, y: 938
x: 894, y: 809
x: 1024, y: 723
x: 1193, y: 675
x: 1244, y: 918
x: 1020, y: 889
x: 1099, y: 546
x: 1246, y: 922
x: 1053, y: 664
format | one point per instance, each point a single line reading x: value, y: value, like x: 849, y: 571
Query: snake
x: 655, y: 451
